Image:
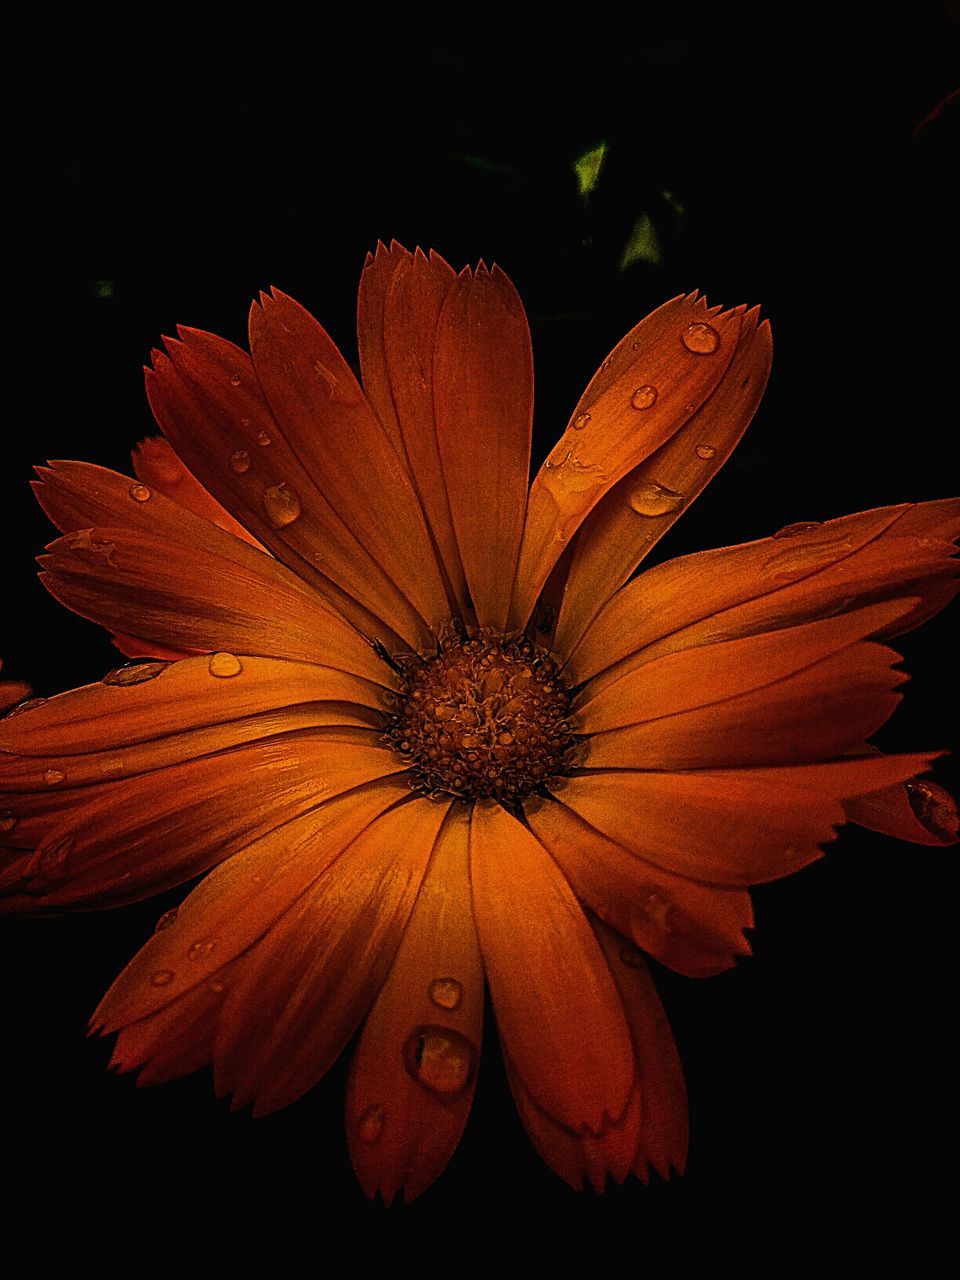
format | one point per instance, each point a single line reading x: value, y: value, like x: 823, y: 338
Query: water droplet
x: 804, y: 558
x: 263, y: 439
x: 706, y: 451
x: 935, y: 808
x: 702, y: 339
x: 161, y: 977
x: 580, y: 421
x: 555, y: 466
x: 218, y: 987
x: 139, y: 493
x: 235, y: 380
x: 8, y: 820
x: 26, y: 705
x: 201, y: 949
x: 370, y: 1125
x: 446, y: 992
x: 281, y: 504
x: 166, y: 920
x: 802, y: 526
x: 53, y: 776
x: 54, y: 854
x: 111, y: 766
x: 224, y: 665
x: 606, y: 364
x: 440, y: 1059
x: 652, y: 499
x: 644, y: 397
x: 240, y: 461
x: 134, y: 673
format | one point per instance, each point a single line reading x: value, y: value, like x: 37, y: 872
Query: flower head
x: 426, y: 731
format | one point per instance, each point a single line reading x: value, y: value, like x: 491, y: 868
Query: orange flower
x: 425, y: 731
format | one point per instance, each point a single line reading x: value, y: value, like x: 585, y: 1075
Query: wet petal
x: 557, y: 1008
x: 413, y: 1075
x: 401, y: 297
x: 920, y: 811
x: 731, y: 827
x: 803, y: 573
x: 609, y: 435
x: 316, y: 973
x: 641, y: 507
x: 696, y: 929
x: 483, y: 407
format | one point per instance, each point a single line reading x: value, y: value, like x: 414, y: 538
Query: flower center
x: 483, y: 718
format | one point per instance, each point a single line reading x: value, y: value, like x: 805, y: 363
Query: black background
x: 164, y: 184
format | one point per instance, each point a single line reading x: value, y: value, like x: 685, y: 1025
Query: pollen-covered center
x: 483, y: 718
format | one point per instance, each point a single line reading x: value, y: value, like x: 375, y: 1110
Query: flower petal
x: 413, y: 1075
x: 693, y: 928
x: 401, y: 297
x: 919, y: 811
x: 483, y: 407
x: 328, y: 424
x: 206, y: 397
x: 156, y: 464
x: 664, y: 1132
x: 609, y: 435
x: 317, y: 971
x: 804, y: 572
x: 240, y: 598
x: 731, y: 826
x: 557, y: 1008
x: 640, y: 508
x: 238, y: 904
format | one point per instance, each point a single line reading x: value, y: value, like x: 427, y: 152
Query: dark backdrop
x: 787, y: 167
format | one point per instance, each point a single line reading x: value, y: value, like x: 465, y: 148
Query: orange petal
x: 802, y: 573
x: 316, y: 973
x: 156, y: 464
x: 268, y: 600
x: 664, y: 1132
x: 121, y: 841
x: 323, y: 415
x: 12, y: 692
x: 731, y: 826
x: 206, y: 397
x: 557, y: 1008
x: 237, y: 905
x: 483, y: 406
x: 631, y: 408
x: 640, y: 508
x: 920, y: 811
x: 413, y: 1075
x: 693, y: 928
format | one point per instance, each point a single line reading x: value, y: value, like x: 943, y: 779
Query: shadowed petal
x: 920, y: 811
x: 414, y: 1072
x: 640, y: 508
x: 609, y: 436
x: 557, y: 1008
x: 483, y: 407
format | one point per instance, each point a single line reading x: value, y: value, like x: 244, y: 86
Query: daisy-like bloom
x: 425, y: 731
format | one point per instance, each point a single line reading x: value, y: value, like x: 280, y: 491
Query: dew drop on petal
x: 139, y: 493
x: 166, y: 920
x: 370, y: 1125
x: 161, y: 977
x: 224, y: 665
x: 644, y: 397
x: 440, y: 1059
x: 235, y: 380
x: 580, y: 421
x: 804, y: 558
x: 702, y: 339
x: 935, y: 809
x: 217, y: 987
x: 281, y: 505
x: 794, y: 530
x: 651, y: 499
x: 240, y: 461
x: 200, y: 949
x: 263, y: 439
x: 8, y: 820
x: 706, y: 451
x: 26, y: 705
x: 53, y: 776
x: 108, y: 767
x: 134, y: 673
x: 446, y: 992
x: 54, y: 854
